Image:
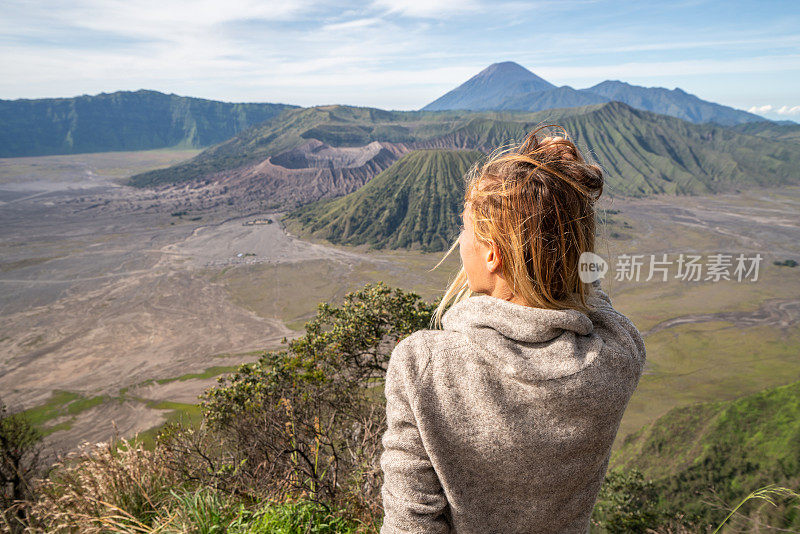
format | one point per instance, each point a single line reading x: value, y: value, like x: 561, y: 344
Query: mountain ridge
x: 641, y: 154
x: 122, y: 120
x: 498, y: 88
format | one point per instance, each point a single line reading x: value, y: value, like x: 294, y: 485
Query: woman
x: 503, y: 420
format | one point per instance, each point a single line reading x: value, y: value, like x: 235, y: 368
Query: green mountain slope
x: 641, y: 153
x: 786, y: 131
x: 733, y: 447
x: 123, y: 120
x: 415, y: 203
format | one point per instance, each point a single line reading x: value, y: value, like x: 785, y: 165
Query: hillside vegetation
x: 642, y: 153
x: 124, y: 120
x: 772, y: 130
x: 415, y: 203
x: 346, y: 126
x: 731, y: 447
x: 336, y: 126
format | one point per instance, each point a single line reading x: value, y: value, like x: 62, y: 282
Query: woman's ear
x: 493, y: 260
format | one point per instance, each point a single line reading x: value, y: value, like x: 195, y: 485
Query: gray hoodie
x: 503, y: 421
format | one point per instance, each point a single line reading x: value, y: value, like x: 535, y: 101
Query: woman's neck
x: 502, y: 290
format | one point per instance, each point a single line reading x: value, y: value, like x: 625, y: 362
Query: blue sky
x: 398, y: 54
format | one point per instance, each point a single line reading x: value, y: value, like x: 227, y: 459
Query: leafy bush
x: 306, y: 421
x: 627, y: 503
x: 19, y: 463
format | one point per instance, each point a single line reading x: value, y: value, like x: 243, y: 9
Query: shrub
x: 627, y: 503
x: 19, y: 464
x: 306, y: 421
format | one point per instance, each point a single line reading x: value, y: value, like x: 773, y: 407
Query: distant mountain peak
x: 490, y: 87
x: 509, y: 69
x: 612, y: 83
x: 506, y: 65
x: 510, y: 72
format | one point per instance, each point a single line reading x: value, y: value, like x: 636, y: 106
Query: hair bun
x: 592, y: 179
x: 560, y: 154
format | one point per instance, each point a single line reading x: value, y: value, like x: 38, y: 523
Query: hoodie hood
x: 525, y: 342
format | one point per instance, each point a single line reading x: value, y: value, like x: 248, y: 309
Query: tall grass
x: 203, y: 511
x: 769, y: 494
x: 120, y: 487
x: 113, y: 485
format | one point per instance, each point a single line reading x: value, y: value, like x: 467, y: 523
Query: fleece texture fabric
x: 503, y: 421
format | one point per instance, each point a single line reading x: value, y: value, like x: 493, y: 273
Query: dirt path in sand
x: 781, y: 313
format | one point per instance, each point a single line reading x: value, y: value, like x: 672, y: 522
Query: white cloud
x: 173, y: 35
x: 387, y: 53
x: 146, y: 18
x: 783, y: 110
x: 351, y: 24
x: 785, y: 40
x: 786, y: 110
x: 426, y: 8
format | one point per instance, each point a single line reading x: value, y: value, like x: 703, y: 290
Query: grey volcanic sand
x: 102, y: 290
x: 223, y: 244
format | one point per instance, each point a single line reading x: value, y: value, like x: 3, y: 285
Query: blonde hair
x: 535, y: 201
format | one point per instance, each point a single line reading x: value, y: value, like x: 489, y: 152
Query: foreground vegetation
x: 291, y: 443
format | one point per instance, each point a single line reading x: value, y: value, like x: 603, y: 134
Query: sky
x: 398, y: 54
